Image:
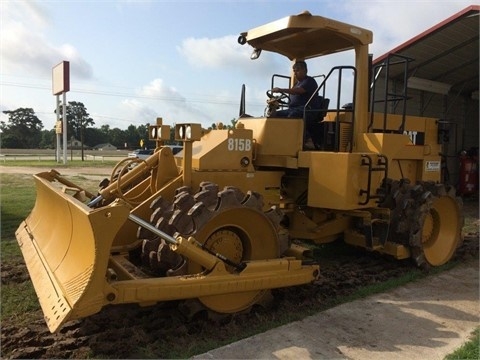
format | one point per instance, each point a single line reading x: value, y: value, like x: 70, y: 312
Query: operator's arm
x: 291, y: 91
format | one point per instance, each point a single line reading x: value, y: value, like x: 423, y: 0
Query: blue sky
x: 132, y: 61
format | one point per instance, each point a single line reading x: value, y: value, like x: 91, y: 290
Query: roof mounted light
x: 255, y: 54
x: 242, y: 39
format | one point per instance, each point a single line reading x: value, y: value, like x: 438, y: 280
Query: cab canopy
x: 306, y: 36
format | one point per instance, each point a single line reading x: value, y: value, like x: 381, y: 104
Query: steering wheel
x: 281, y: 99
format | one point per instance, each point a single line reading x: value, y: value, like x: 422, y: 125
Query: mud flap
x: 66, y: 247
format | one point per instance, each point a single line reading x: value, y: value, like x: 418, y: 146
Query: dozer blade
x: 66, y: 247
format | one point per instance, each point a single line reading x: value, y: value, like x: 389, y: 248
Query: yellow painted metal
x: 361, y: 94
x: 398, y: 251
x: 323, y: 232
x: 441, y: 232
x: 335, y: 179
x: 391, y: 145
x: 253, y: 140
x: 230, y: 245
x: 305, y: 36
x: 164, y: 168
x: 69, y: 262
x: 275, y: 137
x: 407, y: 157
x: 298, y: 252
x: 429, y: 169
x: 75, y: 274
x: 258, y: 275
x: 187, y: 163
x: 78, y: 257
x: 66, y: 246
x: 161, y: 175
x: 242, y: 233
x: 224, y: 150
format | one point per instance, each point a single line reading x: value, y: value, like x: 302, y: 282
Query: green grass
x: 469, y: 350
x: 10, y: 251
x: 19, y: 300
x: 472, y: 223
x: 17, y: 197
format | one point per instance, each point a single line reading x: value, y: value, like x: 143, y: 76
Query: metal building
x: 442, y: 82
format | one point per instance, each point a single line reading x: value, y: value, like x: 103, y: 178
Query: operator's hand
x: 276, y: 90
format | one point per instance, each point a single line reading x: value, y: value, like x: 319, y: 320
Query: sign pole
x: 64, y: 112
x: 56, y: 129
x: 60, y: 85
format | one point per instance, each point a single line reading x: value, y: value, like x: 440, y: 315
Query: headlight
x: 188, y: 132
x: 153, y: 132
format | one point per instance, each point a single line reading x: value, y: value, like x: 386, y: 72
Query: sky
x: 133, y: 61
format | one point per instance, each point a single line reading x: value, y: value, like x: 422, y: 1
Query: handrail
x: 389, y: 96
x: 338, y: 108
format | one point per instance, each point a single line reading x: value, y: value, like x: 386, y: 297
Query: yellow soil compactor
x: 216, y: 224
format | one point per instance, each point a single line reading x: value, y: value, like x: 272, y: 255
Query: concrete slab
x: 427, y: 319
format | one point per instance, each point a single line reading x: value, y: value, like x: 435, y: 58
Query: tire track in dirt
x: 120, y: 331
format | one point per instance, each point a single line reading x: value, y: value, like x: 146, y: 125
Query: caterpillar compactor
x: 219, y: 224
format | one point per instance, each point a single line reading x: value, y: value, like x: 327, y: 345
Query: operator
x: 300, y: 93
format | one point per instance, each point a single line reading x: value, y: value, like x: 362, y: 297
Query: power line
x: 120, y: 94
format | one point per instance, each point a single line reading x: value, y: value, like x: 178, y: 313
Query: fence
x: 49, y: 157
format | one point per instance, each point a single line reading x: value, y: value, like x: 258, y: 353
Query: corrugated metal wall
x: 457, y: 113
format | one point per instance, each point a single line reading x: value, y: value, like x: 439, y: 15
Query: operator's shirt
x: 310, y: 86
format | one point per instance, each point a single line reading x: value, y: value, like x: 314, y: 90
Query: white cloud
x: 160, y: 100
x: 395, y: 22
x: 31, y: 10
x: 139, y: 112
x: 211, y: 69
x: 24, y: 48
x: 157, y: 89
x: 225, y: 53
x: 212, y: 53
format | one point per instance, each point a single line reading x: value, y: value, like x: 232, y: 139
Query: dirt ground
x: 128, y: 331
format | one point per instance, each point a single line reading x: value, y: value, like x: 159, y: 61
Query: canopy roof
x: 306, y: 36
x: 447, y: 53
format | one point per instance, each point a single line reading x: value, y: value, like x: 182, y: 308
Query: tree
x: 95, y: 136
x: 48, y: 139
x: 23, y: 129
x: 105, y: 129
x: 215, y: 126
x: 233, y: 123
x: 118, y: 138
x: 142, y: 131
x: 77, y: 120
x: 134, y: 135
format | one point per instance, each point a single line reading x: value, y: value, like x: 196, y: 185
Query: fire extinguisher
x: 468, y: 181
